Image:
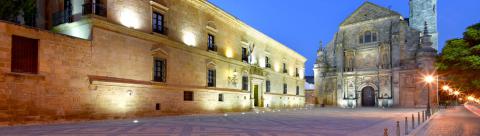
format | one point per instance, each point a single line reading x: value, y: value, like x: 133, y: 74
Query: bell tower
x: 422, y: 11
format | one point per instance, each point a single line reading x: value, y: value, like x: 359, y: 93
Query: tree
x: 11, y: 9
x: 459, y: 61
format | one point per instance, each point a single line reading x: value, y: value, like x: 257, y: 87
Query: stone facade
x: 373, y: 61
x: 104, y: 68
x: 422, y: 11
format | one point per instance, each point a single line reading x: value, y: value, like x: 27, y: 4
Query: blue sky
x: 301, y: 24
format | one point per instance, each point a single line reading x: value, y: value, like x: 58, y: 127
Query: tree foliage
x: 11, y: 9
x: 459, y: 61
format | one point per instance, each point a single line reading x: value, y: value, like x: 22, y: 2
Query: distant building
x: 378, y: 59
x: 310, y: 95
x: 125, y: 58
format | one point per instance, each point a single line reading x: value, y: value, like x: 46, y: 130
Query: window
x: 157, y: 106
x: 267, y: 84
x: 244, y: 55
x: 157, y: 22
x: 220, y: 97
x: 24, y: 55
x: 297, y: 90
x: 160, y: 70
x: 285, y: 68
x: 296, y: 72
x: 187, y: 96
x: 374, y: 37
x: 211, y: 78
x: 245, y: 83
x: 267, y: 62
x: 368, y: 37
x: 211, y: 43
x: 284, y: 88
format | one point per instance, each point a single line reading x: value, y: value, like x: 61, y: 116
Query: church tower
x: 422, y: 11
x: 319, y: 71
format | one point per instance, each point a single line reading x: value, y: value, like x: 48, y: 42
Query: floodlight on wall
x: 229, y: 52
x: 130, y: 92
x: 129, y: 18
x: 189, y: 38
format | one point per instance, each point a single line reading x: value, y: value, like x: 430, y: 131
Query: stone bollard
x: 385, y: 132
x: 418, y: 119
x: 423, y: 116
x: 398, y: 128
x: 413, y: 122
x: 406, y: 125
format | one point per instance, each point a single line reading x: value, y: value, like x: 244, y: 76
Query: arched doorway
x: 368, y: 96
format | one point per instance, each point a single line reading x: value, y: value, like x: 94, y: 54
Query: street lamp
x: 446, y: 88
x: 428, y: 79
x: 471, y: 98
x: 456, y: 93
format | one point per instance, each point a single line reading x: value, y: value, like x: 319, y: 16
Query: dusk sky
x: 301, y: 24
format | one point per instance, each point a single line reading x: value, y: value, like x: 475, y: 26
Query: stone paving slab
x: 312, y: 122
x: 457, y: 121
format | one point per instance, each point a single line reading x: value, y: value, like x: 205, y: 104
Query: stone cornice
x: 122, y: 82
x: 280, y: 94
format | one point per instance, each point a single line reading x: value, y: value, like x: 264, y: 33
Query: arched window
x: 368, y: 37
x: 211, y: 74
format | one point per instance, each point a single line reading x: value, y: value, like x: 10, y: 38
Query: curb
x: 418, y: 128
x: 469, y: 108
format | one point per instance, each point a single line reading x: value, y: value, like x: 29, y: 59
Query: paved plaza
x: 311, y: 122
x: 456, y: 121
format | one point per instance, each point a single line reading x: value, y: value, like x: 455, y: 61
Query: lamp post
x: 428, y: 79
x: 446, y: 88
x: 456, y: 93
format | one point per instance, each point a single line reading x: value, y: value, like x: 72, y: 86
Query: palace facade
x: 130, y: 58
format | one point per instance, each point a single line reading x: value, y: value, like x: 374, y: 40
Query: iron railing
x: 94, y: 8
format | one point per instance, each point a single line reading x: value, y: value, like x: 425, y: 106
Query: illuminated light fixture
x: 446, y: 88
x: 189, y: 39
x: 129, y: 19
x: 429, y: 79
x: 471, y: 98
x: 135, y: 121
x: 276, y: 67
x: 456, y: 92
x: 243, y: 113
x: 229, y: 52
x: 225, y: 114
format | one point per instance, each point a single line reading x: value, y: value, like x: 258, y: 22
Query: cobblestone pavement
x: 456, y: 121
x: 314, y: 122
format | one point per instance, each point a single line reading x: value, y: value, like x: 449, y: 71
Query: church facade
x: 377, y: 58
